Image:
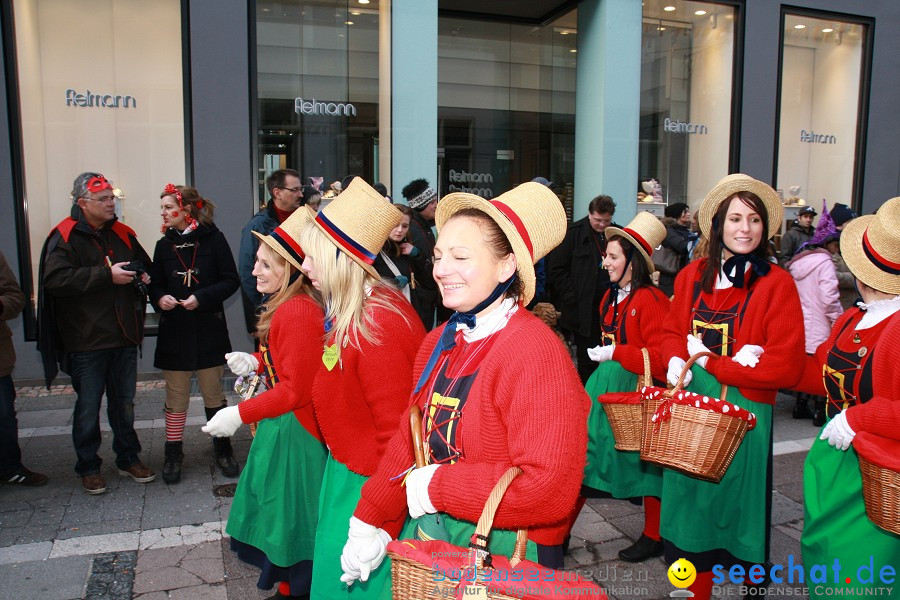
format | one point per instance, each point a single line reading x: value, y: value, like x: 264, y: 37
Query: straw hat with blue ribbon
x: 732, y: 184
x: 285, y: 239
x: 358, y: 222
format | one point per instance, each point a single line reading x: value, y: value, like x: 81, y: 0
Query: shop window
x: 317, y: 89
x: 506, y: 105
x: 100, y: 88
x: 822, y: 72
x: 687, y: 58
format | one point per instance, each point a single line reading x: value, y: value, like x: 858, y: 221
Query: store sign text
x: 816, y: 138
x: 677, y: 126
x: 471, y: 178
x: 73, y: 98
x: 330, y: 109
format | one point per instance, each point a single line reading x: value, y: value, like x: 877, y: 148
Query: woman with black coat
x: 193, y: 273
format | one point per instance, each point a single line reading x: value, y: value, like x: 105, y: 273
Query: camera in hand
x: 138, y: 268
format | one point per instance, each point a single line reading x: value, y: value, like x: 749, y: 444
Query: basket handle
x: 415, y: 426
x: 647, y: 377
x: 679, y: 385
x: 486, y: 520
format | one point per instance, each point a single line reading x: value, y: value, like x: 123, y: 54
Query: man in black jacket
x: 578, y: 280
x: 678, y: 240
x: 422, y: 198
x: 801, y: 231
x: 92, y: 321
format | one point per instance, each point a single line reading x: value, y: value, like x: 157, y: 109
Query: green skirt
x: 733, y: 511
x: 455, y: 531
x: 340, y: 494
x: 621, y: 473
x: 835, y: 525
x: 276, y: 503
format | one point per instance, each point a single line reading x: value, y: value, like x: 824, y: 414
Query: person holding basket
x: 273, y: 518
x: 496, y: 388
x: 632, y: 312
x: 364, y: 377
x: 743, y: 309
x: 856, y: 368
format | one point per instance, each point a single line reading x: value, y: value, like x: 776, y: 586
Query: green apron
x: 340, y: 494
x: 835, y: 525
x: 276, y: 503
x: 733, y: 511
x: 621, y: 473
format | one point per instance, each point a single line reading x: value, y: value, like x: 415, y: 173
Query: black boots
x: 642, y: 549
x: 222, y: 447
x: 801, y: 406
x: 171, y: 471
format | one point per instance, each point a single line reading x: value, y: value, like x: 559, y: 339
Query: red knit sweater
x: 772, y: 319
x: 879, y: 415
x: 526, y: 408
x: 294, y: 342
x: 643, y: 318
x: 358, y: 403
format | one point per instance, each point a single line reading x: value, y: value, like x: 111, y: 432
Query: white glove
x: 748, y: 356
x: 695, y: 346
x: 601, y: 353
x: 364, y: 551
x: 838, y: 432
x: 241, y: 363
x: 417, y: 491
x: 676, y: 366
x: 224, y: 423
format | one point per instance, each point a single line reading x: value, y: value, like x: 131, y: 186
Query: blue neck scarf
x: 736, y: 266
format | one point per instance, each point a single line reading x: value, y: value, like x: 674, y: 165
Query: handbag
x: 247, y: 387
x: 666, y: 261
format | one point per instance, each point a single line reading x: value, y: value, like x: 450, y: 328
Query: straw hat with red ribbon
x: 358, y: 222
x: 285, y: 239
x: 645, y: 232
x: 870, y: 245
x: 530, y: 215
x: 735, y: 183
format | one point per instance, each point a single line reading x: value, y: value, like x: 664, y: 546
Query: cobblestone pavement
x: 157, y: 541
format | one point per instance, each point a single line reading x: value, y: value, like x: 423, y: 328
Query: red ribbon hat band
x: 345, y: 241
x: 639, y: 239
x: 879, y: 261
x: 97, y: 184
x: 289, y: 244
x: 517, y: 223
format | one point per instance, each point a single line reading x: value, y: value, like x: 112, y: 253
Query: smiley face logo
x: 682, y: 573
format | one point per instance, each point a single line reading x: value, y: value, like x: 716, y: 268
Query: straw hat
x: 358, y: 222
x: 285, y: 239
x: 645, y: 232
x: 531, y: 216
x: 870, y: 246
x: 731, y: 185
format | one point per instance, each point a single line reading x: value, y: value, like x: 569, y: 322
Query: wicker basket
x: 625, y: 418
x: 246, y: 388
x: 696, y: 441
x: 881, y: 492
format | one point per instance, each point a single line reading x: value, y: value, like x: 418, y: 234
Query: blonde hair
x: 285, y: 292
x: 343, y: 285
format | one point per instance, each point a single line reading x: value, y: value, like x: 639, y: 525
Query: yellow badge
x: 330, y: 356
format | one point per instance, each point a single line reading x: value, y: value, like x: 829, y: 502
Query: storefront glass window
x: 506, y: 105
x: 317, y: 88
x: 100, y: 89
x: 687, y: 56
x: 819, y: 117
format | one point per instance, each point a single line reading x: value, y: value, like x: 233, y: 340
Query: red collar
x: 66, y: 226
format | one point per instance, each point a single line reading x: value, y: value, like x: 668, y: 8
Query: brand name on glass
x: 676, y: 126
x: 811, y: 137
x: 468, y: 179
x: 74, y: 98
x: 330, y: 109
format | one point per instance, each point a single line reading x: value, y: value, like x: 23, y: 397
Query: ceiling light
x: 669, y: 8
x: 363, y: 1
x: 348, y: 22
x: 660, y: 28
x: 573, y: 50
x: 827, y: 30
x: 699, y: 13
x: 355, y: 13
x: 800, y: 26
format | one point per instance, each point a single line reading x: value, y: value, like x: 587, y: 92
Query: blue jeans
x: 10, y: 455
x: 114, y: 371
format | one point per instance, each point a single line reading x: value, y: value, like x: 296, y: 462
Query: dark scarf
x: 613, y: 297
x: 736, y: 266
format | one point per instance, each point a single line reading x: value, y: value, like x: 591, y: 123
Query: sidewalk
x: 157, y: 541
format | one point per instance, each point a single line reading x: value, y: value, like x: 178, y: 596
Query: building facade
x: 598, y: 96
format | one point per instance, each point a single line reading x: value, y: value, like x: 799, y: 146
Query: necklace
x: 188, y: 273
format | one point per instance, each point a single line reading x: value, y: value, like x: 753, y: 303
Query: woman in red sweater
x: 724, y: 304
x: 365, y: 374
x: 631, y: 318
x: 496, y: 387
x: 272, y: 522
x: 856, y: 368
